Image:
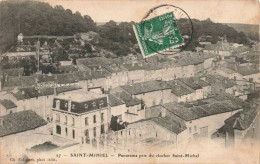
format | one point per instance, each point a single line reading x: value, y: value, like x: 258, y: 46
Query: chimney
x: 242, y: 116
x: 163, y: 112
x: 55, y: 90
x: 1, y: 122
x: 6, y: 78
x: 69, y: 104
x: 178, y: 87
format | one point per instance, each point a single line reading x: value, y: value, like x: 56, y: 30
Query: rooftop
x: 196, y: 112
x: 178, y: 89
x: 194, y: 82
x: 245, y: 70
x: 127, y: 99
x: 242, y: 120
x: 8, y: 104
x: 144, y: 87
x: 20, y: 122
x: 81, y: 97
x: 114, y: 101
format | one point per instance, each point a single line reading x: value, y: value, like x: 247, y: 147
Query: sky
x: 221, y: 11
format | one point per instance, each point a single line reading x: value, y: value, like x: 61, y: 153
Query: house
x: 249, y: 73
x: 201, y: 120
x: 202, y: 88
x: 222, y: 48
x: 138, y: 134
x: 227, y: 72
x: 94, y: 81
x: 39, y: 99
x: 151, y: 92
x: 119, y: 75
x: 133, y: 109
x: 181, y: 93
x: 7, y: 107
x: 81, y: 117
x: 241, y: 129
x: 24, y: 128
x: 219, y: 83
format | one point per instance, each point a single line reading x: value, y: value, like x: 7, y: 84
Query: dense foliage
x: 39, y: 18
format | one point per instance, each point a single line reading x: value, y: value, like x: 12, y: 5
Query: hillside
x: 39, y: 18
x: 252, y: 31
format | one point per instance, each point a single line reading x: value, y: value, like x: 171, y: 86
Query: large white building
x: 81, y: 117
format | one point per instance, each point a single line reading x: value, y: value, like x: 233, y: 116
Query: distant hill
x: 252, y: 31
x: 39, y: 18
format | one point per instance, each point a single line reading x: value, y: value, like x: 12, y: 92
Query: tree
x: 115, y: 126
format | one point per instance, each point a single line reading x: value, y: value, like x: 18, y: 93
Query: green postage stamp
x: 158, y: 34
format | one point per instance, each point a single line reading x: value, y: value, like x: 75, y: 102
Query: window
x: 86, y: 106
x: 87, y: 133
x: 102, y: 117
x: 73, y: 106
x: 94, y: 104
x: 73, y: 133
x: 86, y: 121
x: 66, y: 120
x: 66, y: 105
x: 73, y: 122
x: 195, y: 128
x: 102, y: 129
x: 190, y: 130
x: 58, y: 129
x: 57, y: 118
x: 66, y: 131
x: 95, y: 132
x: 119, y: 118
x: 94, y: 119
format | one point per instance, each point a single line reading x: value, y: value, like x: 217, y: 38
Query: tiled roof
x: 13, y: 71
x: 227, y: 70
x: 87, y: 75
x: 13, y: 81
x: 66, y: 78
x: 178, y: 89
x: 20, y: 122
x: 127, y: 99
x: 68, y: 68
x: 144, y: 87
x: 45, y: 78
x: 32, y: 92
x: 194, y: 82
x: 169, y: 124
x: 242, y: 120
x: 114, y: 101
x: 245, y: 70
x: 8, y: 104
x: 196, y: 112
x: 154, y: 111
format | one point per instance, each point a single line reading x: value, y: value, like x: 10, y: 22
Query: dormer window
x: 101, y: 102
x: 73, y: 106
x: 94, y: 104
x: 86, y: 106
x: 66, y: 105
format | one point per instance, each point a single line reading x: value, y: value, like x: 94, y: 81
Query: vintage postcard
x: 129, y: 81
